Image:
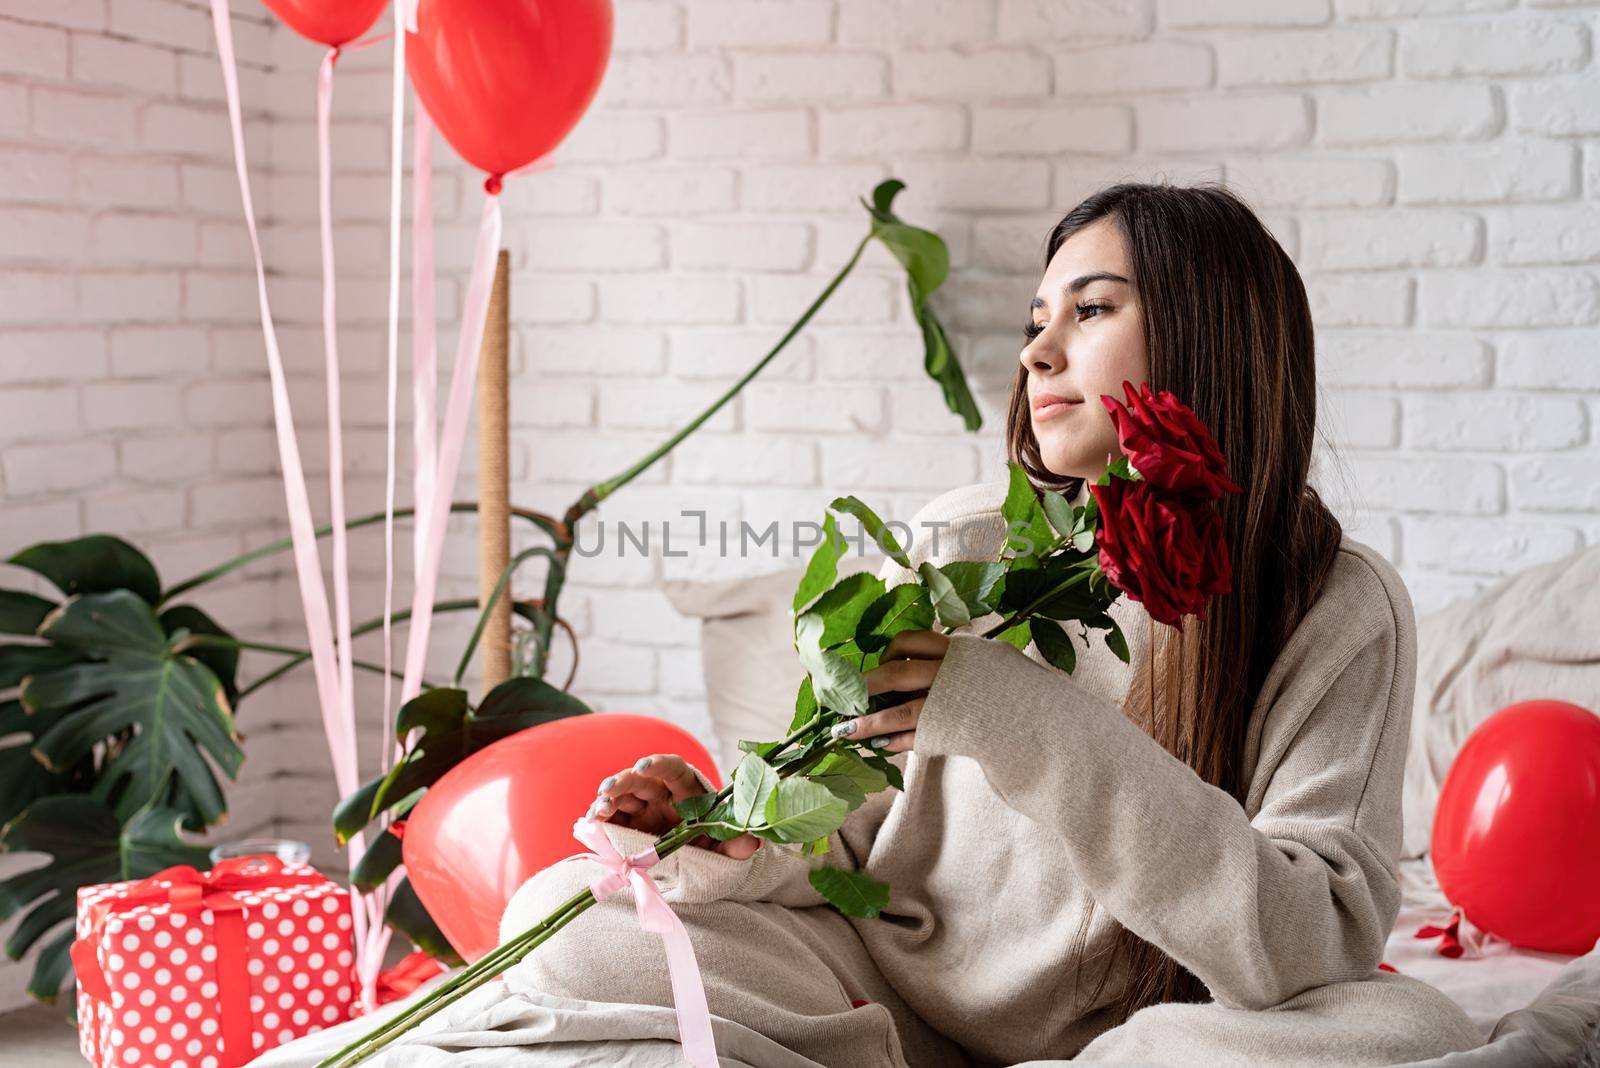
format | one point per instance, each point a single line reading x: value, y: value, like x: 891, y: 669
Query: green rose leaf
x: 853, y: 893
x: 1121, y: 467
x: 760, y: 749
x: 696, y: 807
x: 823, y: 567
x: 891, y: 771
x: 848, y: 776
x: 805, y: 706
x: 842, y: 605
x: 753, y: 783
x: 1018, y: 634
x: 874, y: 526
x: 979, y: 583
x: 839, y: 684
x: 800, y: 810
x: 1117, y: 642
x: 1028, y: 532
x: 947, y: 603
x: 1054, y: 644
x: 907, y: 606
x: 1060, y: 513
x: 97, y: 563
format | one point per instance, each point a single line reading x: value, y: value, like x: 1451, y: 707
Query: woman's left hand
x: 909, y: 665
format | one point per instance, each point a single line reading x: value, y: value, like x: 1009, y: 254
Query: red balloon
x: 1516, y: 840
x: 333, y: 22
x: 506, y: 80
x: 506, y: 812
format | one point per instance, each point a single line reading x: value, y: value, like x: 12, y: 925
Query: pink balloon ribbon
x: 656, y: 916
x: 331, y: 663
x: 436, y: 511
x: 346, y: 773
x: 424, y: 337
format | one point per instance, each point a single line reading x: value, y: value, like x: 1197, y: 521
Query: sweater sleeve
x: 1259, y: 909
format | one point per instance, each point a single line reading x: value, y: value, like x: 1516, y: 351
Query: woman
x: 1187, y: 859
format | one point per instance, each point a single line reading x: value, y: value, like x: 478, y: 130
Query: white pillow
x: 1532, y: 635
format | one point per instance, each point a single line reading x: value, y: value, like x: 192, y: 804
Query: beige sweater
x: 1029, y: 793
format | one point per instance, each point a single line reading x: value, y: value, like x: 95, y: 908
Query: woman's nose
x: 1042, y: 357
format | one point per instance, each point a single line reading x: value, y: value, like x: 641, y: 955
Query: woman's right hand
x: 642, y: 796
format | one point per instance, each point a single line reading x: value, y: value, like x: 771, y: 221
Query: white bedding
x: 1535, y: 1010
x: 508, y: 1023
x: 1491, y: 978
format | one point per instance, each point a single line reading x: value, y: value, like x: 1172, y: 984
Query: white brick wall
x: 112, y: 143
x: 1432, y: 165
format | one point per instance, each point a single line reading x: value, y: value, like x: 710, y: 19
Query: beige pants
x: 789, y: 973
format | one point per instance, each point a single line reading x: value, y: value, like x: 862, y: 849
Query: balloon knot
x: 493, y: 185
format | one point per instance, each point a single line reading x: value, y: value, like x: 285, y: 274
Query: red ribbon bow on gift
x: 1449, y: 936
x: 190, y: 892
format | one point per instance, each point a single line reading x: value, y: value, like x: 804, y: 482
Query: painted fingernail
x: 879, y: 742
x: 839, y: 730
x: 644, y: 762
x: 607, y: 783
x: 603, y: 805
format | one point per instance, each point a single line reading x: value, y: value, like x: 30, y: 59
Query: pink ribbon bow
x: 655, y: 915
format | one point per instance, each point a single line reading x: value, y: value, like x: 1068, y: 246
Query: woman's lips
x: 1050, y: 411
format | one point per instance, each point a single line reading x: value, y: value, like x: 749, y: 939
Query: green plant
x: 117, y: 703
x: 445, y: 727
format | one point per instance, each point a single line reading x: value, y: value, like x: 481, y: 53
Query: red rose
x: 1167, y: 443
x: 1164, y: 550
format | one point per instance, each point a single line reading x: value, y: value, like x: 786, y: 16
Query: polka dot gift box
x: 190, y: 969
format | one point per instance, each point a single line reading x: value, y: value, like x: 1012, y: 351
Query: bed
x: 1525, y: 636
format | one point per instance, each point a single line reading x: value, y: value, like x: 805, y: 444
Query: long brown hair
x: 1227, y: 329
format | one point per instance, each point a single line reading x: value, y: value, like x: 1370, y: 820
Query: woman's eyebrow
x: 1078, y: 283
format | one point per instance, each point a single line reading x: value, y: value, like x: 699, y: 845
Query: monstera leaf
x: 98, y: 563
x: 21, y: 613
x: 450, y: 730
x: 926, y: 259
x: 87, y: 844
x: 23, y: 779
x: 168, y: 706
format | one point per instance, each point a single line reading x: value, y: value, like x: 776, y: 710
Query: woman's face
x: 1087, y: 335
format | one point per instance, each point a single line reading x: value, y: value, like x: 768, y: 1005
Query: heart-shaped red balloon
x: 506, y: 80
x: 1516, y: 839
x: 506, y: 812
x: 332, y: 22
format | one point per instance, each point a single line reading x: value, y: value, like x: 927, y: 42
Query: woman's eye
x: 1033, y: 330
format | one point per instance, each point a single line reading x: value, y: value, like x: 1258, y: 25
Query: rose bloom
x: 1167, y: 443
x: 1164, y: 550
